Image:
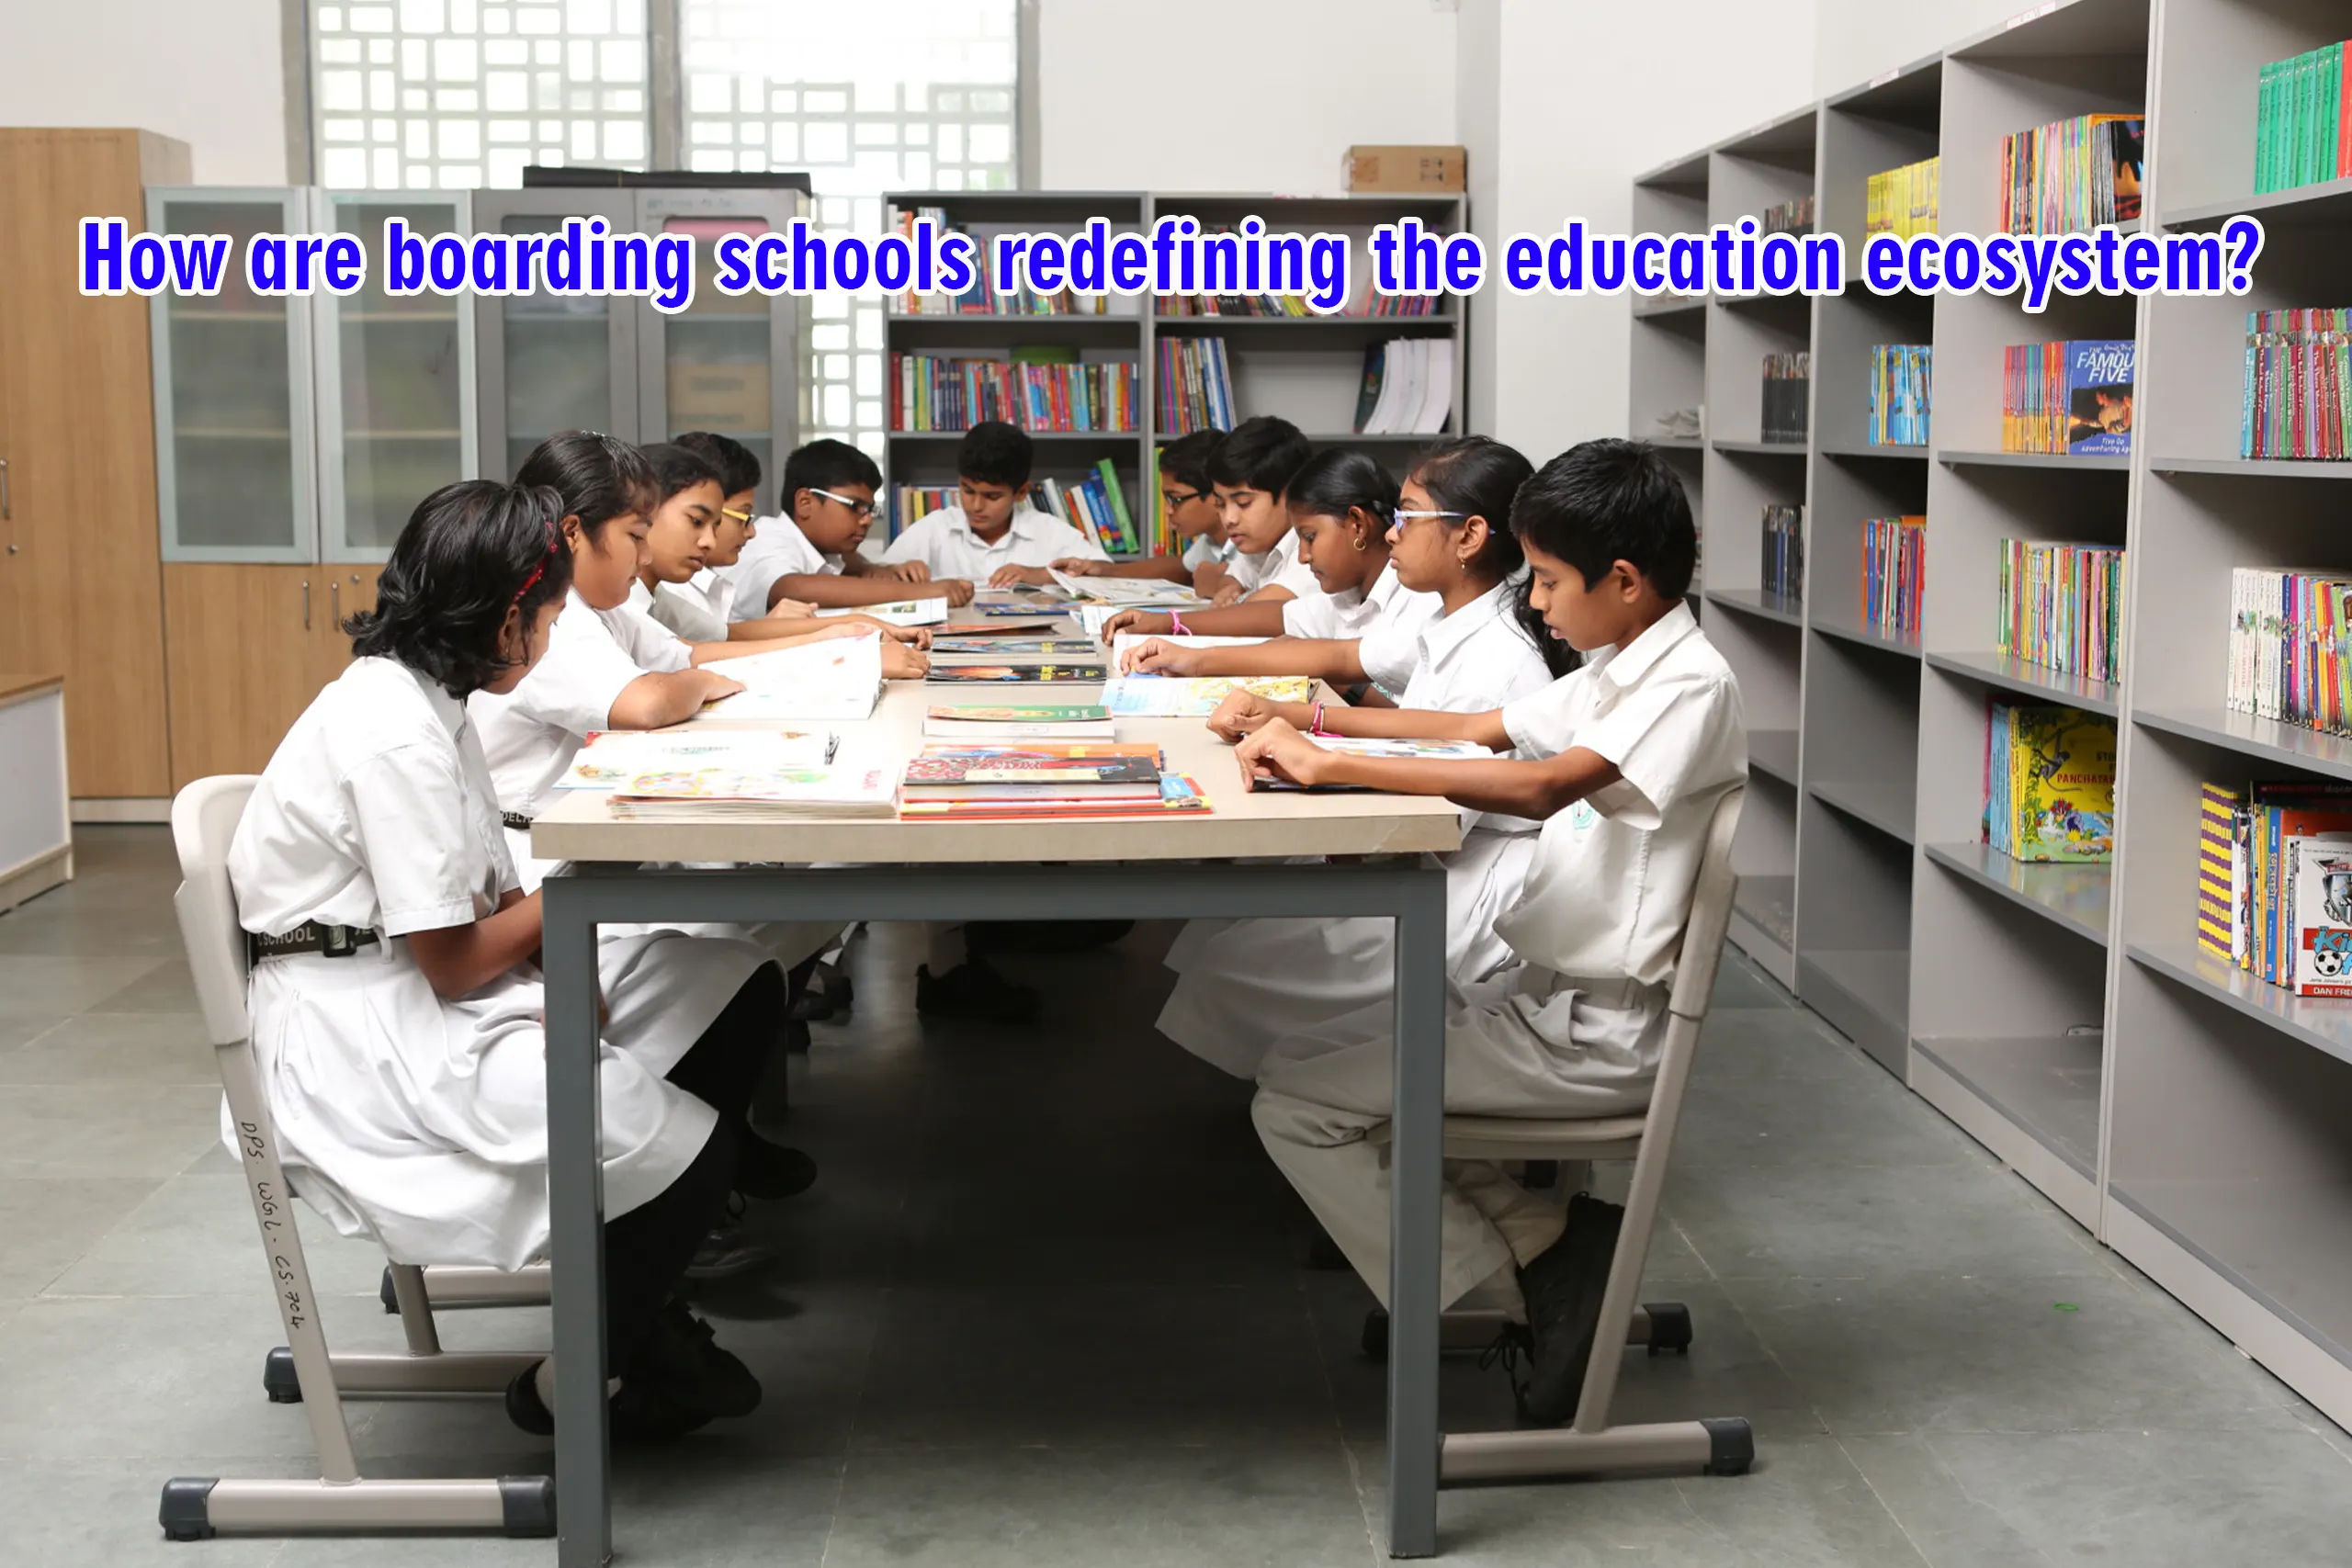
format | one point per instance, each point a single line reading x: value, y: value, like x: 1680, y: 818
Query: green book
x: 1128, y: 541
x: 2265, y: 127
x: 1044, y: 354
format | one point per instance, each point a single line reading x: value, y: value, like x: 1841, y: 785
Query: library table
x: 1230, y: 861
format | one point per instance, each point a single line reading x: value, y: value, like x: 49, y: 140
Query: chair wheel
x: 278, y: 1379
x: 1376, y: 1336
x: 1669, y: 1328
x: 1731, y: 1446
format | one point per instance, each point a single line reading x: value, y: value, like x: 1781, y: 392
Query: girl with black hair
x: 1246, y: 984
x: 395, y: 1003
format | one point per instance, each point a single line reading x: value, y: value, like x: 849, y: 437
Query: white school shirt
x: 698, y: 609
x: 1474, y: 661
x: 777, y: 548
x: 945, y: 542
x: 1278, y: 568
x: 1611, y: 888
x: 421, y: 1120
x: 1204, y: 551
x: 530, y: 735
x: 1343, y: 617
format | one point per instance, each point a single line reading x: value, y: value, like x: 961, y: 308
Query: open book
x: 839, y: 678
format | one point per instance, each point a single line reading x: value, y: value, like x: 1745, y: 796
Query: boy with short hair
x: 699, y: 609
x: 1624, y: 761
x: 810, y: 552
x: 1192, y: 517
x: 991, y: 535
x: 1248, y: 473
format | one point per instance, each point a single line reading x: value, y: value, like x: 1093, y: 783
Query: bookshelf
x: 2196, y: 1120
x: 1305, y: 369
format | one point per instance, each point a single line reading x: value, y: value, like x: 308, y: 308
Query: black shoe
x: 772, y: 1170
x: 725, y: 1253
x: 638, y: 1414
x: 974, y: 990
x: 681, y: 1362
x: 1563, y: 1288
x: 827, y: 994
x: 795, y: 1038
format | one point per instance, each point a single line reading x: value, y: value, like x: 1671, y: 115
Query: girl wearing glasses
x: 1247, y: 984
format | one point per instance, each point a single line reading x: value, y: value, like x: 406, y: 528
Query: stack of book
x: 2071, y: 175
x: 1788, y: 390
x: 1894, y: 570
x: 1903, y: 202
x: 1195, y: 696
x: 1784, y: 551
x: 2062, y: 606
x: 1385, y: 750
x: 1791, y: 217
x: 2302, y: 135
x: 1899, y: 400
x: 751, y: 793
x: 2049, y: 783
x: 1195, y: 385
x: 2273, y: 882
x: 908, y: 502
x: 939, y: 393
x: 1096, y: 506
x: 984, y: 297
x: 2289, y: 637
x: 1407, y: 387
x: 2297, y: 384
x: 964, y: 725
x: 2069, y: 399
x: 1014, y: 780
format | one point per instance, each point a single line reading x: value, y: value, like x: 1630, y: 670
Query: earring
x: 1360, y: 544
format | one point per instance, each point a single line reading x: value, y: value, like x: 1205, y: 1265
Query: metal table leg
x: 576, y: 1214
x: 1416, y: 1170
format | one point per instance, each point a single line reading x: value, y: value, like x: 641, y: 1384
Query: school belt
x: 1613, y: 991
x: 514, y: 821
x: 309, y: 937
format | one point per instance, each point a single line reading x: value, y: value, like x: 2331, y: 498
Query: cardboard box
x: 1405, y: 170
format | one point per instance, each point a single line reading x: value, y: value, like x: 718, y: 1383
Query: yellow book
x: 2062, y: 784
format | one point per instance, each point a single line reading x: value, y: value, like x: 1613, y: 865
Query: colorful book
x: 1179, y: 795
x: 1000, y: 674
x: 1196, y: 697
x: 2217, y: 932
x: 2072, y: 174
x: 613, y: 757
x: 1903, y: 202
x: 1894, y: 568
x: 1898, y: 392
x: 2049, y: 777
x: 2074, y: 398
x: 898, y: 613
x: 1007, y: 646
x: 1047, y: 722
x: 840, y: 677
x: 1784, y: 551
x: 2062, y: 606
x: 1011, y: 769
x: 1396, y: 751
x: 779, y: 794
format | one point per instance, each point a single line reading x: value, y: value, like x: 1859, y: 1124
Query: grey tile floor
x: 1045, y: 1308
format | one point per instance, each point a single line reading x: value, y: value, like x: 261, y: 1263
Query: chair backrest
x: 204, y: 822
x: 1711, y: 898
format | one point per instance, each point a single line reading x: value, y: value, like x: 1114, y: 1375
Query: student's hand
x: 1081, y: 566
x: 959, y: 592
x: 1158, y: 658
x: 900, y: 662
x: 1278, y: 751
x: 833, y: 627
x: 716, y: 686
x: 905, y: 571
x: 1016, y: 576
x: 1142, y: 622
x: 913, y: 637
x: 791, y: 609
x: 1243, y: 712
x: 1227, y: 593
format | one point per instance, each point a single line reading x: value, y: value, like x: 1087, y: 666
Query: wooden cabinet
x: 249, y: 647
x: 80, y: 578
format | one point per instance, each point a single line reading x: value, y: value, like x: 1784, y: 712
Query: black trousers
x: 647, y: 1249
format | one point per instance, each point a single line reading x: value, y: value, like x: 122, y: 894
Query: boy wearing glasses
x: 992, y: 536
x: 811, y: 552
x: 1192, y: 517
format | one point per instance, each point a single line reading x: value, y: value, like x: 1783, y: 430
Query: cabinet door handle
x: 7, y: 511
x: 305, y: 604
x: 334, y: 604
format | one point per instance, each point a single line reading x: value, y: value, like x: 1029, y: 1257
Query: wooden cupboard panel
x: 83, y: 592
x: 243, y: 663
x: 349, y: 588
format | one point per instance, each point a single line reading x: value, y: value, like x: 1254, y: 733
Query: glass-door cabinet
x: 395, y: 378
x: 730, y: 365
x: 550, y: 362
x: 235, y: 455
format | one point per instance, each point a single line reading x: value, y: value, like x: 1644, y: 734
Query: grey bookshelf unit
x: 1305, y: 370
x: 2196, y: 1120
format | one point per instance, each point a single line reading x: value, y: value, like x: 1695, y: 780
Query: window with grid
x: 868, y: 98
x: 453, y: 95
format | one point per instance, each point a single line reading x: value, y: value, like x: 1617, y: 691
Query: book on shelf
x: 1788, y: 387
x: 2302, y: 135
x: 911, y: 503
x: 2287, y: 896
x: 2297, y: 384
x: 2049, y: 783
x: 752, y: 792
x: 2217, y: 808
x: 2072, y: 174
x: 1081, y: 721
x: 1784, y: 552
x: 1895, y: 562
x: 1012, y: 770
x: 1409, y: 381
x: 1096, y: 506
x: 984, y: 297
x: 612, y: 757
x: 2062, y: 606
x: 1039, y: 675
x: 1195, y: 696
x: 2071, y: 399
x: 1179, y: 795
x: 1195, y: 385
x: 839, y: 678
x: 2288, y: 637
x: 1392, y: 750
x: 1290, y: 306
x: 1903, y: 202
x: 1791, y: 217
x: 1899, y: 400
x: 938, y: 392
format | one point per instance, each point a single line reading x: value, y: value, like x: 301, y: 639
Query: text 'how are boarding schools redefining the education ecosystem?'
x: 585, y: 258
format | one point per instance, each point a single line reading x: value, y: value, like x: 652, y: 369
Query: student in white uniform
x: 698, y: 609
x: 1251, y: 470
x: 1625, y: 763
x: 1247, y: 985
x: 1192, y: 517
x: 811, y: 551
x: 1341, y: 506
x: 992, y: 536
x: 396, y: 1008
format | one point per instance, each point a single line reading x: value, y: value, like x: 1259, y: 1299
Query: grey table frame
x: 1409, y: 889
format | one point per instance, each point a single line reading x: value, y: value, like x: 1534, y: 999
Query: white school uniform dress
x: 1574, y: 1024
x: 1246, y: 984
x: 945, y: 542
x: 1278, y: 568
x: 1343, y: 617
x: 696, y: 609
x: 421, y: 1120
x: 777, y: 548
x: 1204, y: 551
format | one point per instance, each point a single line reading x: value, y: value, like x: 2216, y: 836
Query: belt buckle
x: 337, y: 942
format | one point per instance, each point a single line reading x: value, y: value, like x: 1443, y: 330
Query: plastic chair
x: 204, y: 821
x: 1590, y: 1445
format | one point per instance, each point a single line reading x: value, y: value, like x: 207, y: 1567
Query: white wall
x: 209, y: 72
x: 1859, y: 39
x: 1234, y: 94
